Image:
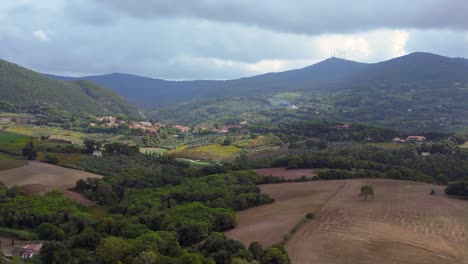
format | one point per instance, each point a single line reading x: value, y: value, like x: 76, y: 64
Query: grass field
x: 55, y: 133
x: 209, y: 152
x: 150, y: 151
x: 402, y: 224
x: 8, y: 162
x: 63, y: 158
x: 194, y: 162
x: 9, y: 137
x: 465, y: 145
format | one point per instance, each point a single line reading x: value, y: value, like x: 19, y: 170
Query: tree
x: 366, y: 190
x: 227, y: 141
x: 111, y: 250
x: 48, y: 231
x: 90, y: 145
x: 275, y: 255
x: 148, y: 257
x: 29, y: 151
x: 55, y: 253
x: 257, y: 250
x: 88, y: 239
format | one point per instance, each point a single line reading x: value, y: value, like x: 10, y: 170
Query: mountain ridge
x: 28, y: 90
x: 328, y: 76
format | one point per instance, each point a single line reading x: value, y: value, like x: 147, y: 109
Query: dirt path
x: 402, y: 224
x: 39, y: 178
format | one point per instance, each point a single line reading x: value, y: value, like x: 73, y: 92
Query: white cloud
x: 41, y: 35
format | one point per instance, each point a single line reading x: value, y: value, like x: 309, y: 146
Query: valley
x: 258, y: 170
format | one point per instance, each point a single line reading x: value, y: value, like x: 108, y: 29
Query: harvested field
x: 402, y: 224
x: 9, y: 162
x: 38, y: 178
x: 268, y: 224
x: 287, y: 174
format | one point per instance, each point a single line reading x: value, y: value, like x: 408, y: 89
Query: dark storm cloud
x: 306, y: 16
x: 221, y: 39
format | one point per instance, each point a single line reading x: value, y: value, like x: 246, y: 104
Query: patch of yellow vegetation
x: 63, y: 158
x: 209, y: 152
x: 465, y: 145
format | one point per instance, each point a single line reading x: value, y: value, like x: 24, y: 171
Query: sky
x: 220, y: 39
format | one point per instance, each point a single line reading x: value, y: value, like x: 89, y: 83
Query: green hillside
x: 26, y: 91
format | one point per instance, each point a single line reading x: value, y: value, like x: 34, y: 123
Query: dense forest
x: 24, y: 90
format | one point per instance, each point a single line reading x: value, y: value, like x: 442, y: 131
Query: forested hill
x: 332, y: 75
x: 25, y: 90
x: 151, y: 93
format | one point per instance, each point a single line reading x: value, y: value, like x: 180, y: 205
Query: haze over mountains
x: 413, y: 71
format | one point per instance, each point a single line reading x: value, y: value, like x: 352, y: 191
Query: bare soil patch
x: 268, y: 224
x: 402, y: 224
x: 39, y: 178
x: 287, y: 174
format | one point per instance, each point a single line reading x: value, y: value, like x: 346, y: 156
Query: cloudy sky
x: 220, y: 39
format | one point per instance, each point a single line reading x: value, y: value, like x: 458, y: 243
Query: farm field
x: 38, y: 178
x: 55, y: 133
x: 402, y: 224
x: 465, y: 145
x: 209, y: 152
x: 7, y: 162
x: 287, y: 174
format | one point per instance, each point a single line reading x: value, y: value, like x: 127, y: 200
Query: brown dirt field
x: 268, y: 224
x: 402, y: 224
x: 287, y: 174
x: 39, y: 178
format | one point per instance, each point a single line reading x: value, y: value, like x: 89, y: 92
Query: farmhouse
x: 184, y: 129
x: 416, y: 139
x: 97, y: 153
x: 146, y: 124
x: 425, y: 153
x: 342, y: 127
x: 398, y: 140
x: 28, y: 251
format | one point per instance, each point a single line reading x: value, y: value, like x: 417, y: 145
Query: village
x: 154, y: 128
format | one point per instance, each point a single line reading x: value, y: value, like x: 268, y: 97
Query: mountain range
x: 329, y: 76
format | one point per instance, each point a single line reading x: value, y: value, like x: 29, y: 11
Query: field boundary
x: 307, y: 219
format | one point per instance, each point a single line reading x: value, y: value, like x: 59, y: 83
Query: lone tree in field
x: 366, y: 190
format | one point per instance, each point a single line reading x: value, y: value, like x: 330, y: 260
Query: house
x: 342, y: 127
x: 184, y: 129
x: 97, y: 153
x: 146, y: 124
x: 28, y: 251
x: 425, y: 153
x: 398, y: 140
x: 416, y: 139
